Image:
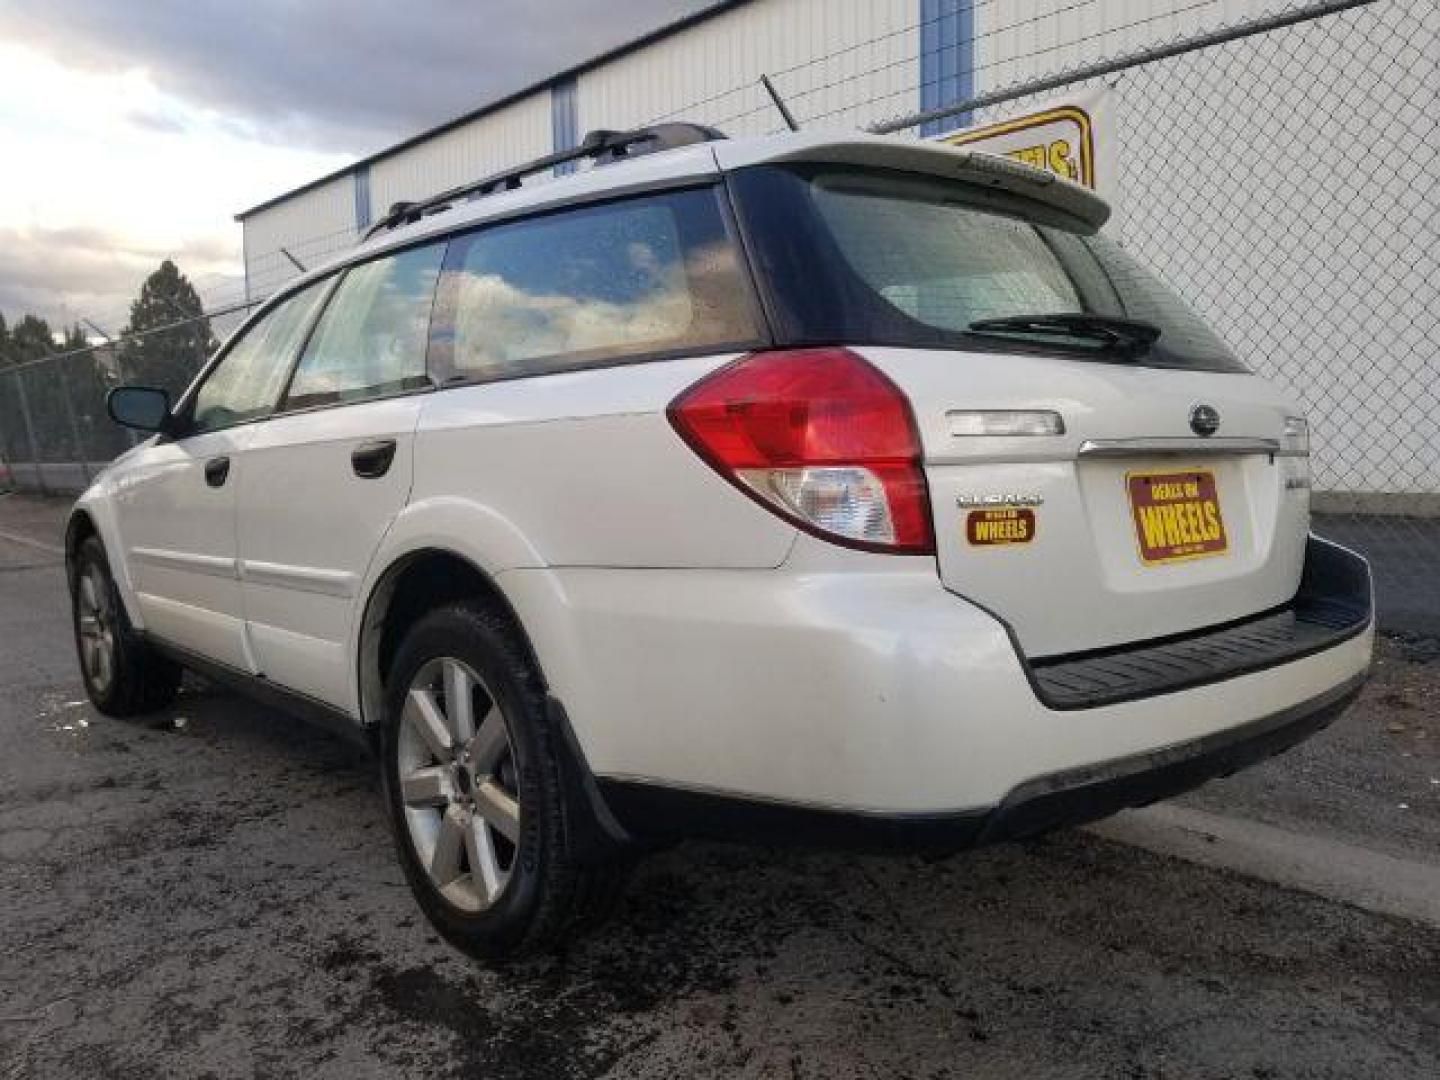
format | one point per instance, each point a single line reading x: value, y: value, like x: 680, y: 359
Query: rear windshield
x: 874, y: 257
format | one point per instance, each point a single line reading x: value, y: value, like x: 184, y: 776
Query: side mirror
x: 143, y: 408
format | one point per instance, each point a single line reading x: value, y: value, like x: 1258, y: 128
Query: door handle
x: 216, y: 471
x: 371, y: 460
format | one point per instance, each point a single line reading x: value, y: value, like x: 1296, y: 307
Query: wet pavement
x: 212, y: 893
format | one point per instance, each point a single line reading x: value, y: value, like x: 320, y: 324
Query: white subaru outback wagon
x: 838, y: 489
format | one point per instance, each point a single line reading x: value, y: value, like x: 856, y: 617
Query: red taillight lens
x: 820, y: 437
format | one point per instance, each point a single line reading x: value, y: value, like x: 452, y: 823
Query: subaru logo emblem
x: 1204, y: 420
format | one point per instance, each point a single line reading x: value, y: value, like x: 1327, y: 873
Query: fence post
x: 4, y: 452
x: 74, y: 429
x: 30, y: 432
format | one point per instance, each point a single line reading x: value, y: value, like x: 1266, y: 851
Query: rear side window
x: 625, y: 280
x: 870, y: 256
x: 371, y: 340
x: 247, y: 382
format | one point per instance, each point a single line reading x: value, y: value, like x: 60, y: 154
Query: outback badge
x: 965, y: 501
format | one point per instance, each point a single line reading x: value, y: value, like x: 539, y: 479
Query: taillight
x: 821, y: 438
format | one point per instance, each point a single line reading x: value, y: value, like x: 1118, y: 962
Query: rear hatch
x: 1102, y: 469
x: 1126, y: 527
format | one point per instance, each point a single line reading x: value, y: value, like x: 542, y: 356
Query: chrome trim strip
x: 1183, y: 446
x: 209, y: 565
x: 337, y: 583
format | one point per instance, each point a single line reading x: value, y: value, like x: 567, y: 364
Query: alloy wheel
x: 458, y: 783
x: 96, y: 624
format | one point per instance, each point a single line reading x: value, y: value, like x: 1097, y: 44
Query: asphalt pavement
x: 1404, y: 554
x: 212, y: 893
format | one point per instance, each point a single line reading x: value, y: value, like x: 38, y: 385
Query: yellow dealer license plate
x: 1177, y: 515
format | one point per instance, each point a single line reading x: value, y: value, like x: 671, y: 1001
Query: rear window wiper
x: 1127, y: 337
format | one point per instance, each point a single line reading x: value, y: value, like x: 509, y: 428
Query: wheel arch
x: 94, y: 514
x: 95, y: 518
x: 413, y: 583
x: 79, y: 528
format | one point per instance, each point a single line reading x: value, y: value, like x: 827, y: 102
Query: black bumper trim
x: 1076, y: 796
x: 1332, y: 605
x: 658, y: 812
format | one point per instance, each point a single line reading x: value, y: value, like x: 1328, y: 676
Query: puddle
x: 60, y: 715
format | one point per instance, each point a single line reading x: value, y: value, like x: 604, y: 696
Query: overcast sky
x: 135, y: 129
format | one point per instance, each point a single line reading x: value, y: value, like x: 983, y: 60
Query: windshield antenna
x: 785, y: 112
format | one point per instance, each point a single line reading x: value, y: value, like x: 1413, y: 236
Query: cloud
x: 143, y: 125
x: 65, y: 273
x: 161, y: 121
x: 501, y: 325
x: 349, y: 75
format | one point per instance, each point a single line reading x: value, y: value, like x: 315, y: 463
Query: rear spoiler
x: 935, y: 159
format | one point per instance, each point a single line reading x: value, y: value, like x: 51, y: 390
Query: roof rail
x: 602, y: 146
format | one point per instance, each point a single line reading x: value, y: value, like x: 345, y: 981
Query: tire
x: 123, y: 675
x: 485, y: 795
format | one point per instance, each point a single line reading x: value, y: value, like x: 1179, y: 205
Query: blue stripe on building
x: 947, y: 59
x: 564, y: 120
x: 363, y: 215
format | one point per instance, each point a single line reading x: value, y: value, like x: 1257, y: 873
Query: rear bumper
x: 852, y: 684
x: 1068, y: 798
x: 1093, y: 792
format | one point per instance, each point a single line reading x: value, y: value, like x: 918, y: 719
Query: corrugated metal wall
x: 838, y: 63
x: 516, y: 133
x: 312, y: 225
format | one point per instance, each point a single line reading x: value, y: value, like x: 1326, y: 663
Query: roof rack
x: 603, y: 146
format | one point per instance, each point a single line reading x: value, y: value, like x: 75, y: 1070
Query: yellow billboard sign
x: 1068, y: 138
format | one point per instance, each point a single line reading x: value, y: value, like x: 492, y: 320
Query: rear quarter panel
x: 583, y: 469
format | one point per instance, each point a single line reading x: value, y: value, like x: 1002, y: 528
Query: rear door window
x: 371, y: 340
x: 639, y: 278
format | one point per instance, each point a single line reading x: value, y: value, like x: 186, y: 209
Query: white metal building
x: 1234, y: 170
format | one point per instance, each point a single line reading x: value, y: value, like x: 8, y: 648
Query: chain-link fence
x: 55, y: 434
x: 1284, y: 178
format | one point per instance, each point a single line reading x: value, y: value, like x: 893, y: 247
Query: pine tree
x: 4, y: 341
x: 167, y: 358
x: 31, y: 339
